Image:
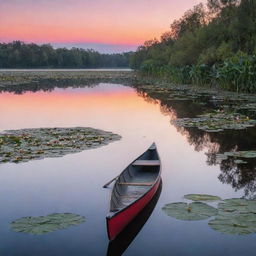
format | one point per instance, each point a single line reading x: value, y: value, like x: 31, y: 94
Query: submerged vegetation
x: 46, y: 224
x: 29, y: 144
x: 211, y: 45
x: 235, y: 216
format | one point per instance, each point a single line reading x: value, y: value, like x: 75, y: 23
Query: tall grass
x: 235, y: 74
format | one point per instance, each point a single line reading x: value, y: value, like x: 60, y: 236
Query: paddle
x: 106, y: 185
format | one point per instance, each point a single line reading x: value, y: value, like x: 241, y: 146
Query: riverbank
x: 23, y: 80
x: 222, y: 99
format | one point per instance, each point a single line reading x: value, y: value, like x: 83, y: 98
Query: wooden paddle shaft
x: 110, y: 182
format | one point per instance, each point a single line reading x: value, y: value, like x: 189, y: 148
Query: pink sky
x: 117, y: 23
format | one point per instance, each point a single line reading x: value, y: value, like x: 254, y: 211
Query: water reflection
x: 50, y: 84
x: 74, y: 182
x: 125, y: 238
x: 239, y: 176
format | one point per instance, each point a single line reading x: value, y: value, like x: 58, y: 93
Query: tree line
x: 20, y: 55
x: 213, y: 43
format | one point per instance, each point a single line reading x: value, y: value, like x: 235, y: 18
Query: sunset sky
x: 105, y: 25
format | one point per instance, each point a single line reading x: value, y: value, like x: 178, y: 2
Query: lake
x: 73, y: 183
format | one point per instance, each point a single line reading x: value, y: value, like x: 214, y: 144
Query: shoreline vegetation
x: 212, y: 45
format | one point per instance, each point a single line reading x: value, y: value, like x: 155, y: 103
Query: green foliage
x: 45, y: 224
x: 241, y: 224
x: 212, y: 44
x: 238, y: 73
x: 202, y: 197
x: 234, y: 216
x: 30, y: 144
x: 217, y: 122
x: 20, y: 55
x: 192, y: 211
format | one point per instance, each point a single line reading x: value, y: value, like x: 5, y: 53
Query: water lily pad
x: 241, y: 224
x: 242, y: 154
x: 237, y: 205
x: 26, y: 144
x: 45, y: 224
x: 192, y: 211
x: 235, y: 154
x: 220, y: 157
x: 217, y: 122
x: 239, y: 161
x: 202, y: 197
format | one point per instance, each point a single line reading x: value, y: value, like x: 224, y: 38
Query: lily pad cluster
x: 28, y: 144
x: 238, y: 102
x: 235, y: 216
x: 45, y: 224
x: 195, y: 92
x: 249, y: 154
x: 191, y: 211
x: 217, y: 122
x: 249, y: 107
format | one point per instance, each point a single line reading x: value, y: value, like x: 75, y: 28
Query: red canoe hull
x: 116, y: 223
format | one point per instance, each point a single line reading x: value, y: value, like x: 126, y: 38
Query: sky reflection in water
x: 74, y: 182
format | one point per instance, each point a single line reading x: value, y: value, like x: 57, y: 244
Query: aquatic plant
x: 202, y: 197
x: 237, y: 206
x: 249, y: 154
x: 192, y: 211
x: 217, y: 122
x: 28, y: 144
x: 242, y: 224
x: 45, y: 224
x: 234, y: 216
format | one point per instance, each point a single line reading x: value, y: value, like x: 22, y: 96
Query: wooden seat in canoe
x: 146, y: 163
x: 135, y: 184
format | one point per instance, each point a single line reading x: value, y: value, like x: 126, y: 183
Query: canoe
x: 133, y: 190
x: 118, y: 246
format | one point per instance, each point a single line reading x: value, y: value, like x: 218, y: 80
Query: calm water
x: 74, y: 182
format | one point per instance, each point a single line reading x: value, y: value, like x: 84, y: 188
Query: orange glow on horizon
x: 84, y: 21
